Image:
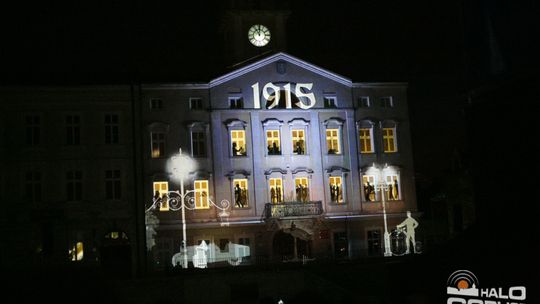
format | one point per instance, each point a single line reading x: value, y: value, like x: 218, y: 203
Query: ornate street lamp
x: 382, y: 187
x: 180, y: 166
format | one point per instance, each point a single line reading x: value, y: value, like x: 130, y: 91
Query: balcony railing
x: 292, y: 209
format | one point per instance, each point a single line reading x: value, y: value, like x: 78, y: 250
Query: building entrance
x: 291, y: 246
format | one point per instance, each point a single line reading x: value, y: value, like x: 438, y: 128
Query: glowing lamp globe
x: 180, y: 165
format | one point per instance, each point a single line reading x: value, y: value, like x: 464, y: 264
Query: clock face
x: 259, y: 35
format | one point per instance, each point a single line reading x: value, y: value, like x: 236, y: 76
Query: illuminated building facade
x: 296, y: 149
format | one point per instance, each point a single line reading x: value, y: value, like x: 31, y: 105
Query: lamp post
x: 180, y: 166
x: 382, y: 187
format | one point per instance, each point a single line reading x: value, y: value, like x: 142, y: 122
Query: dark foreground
x: 411, y: 279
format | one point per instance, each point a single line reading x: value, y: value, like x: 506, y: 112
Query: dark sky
x: 439, y: 47
x: 113, y: 41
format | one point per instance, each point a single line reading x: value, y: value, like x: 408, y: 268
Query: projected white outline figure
x: 199, y: 258
x: 409, y: 224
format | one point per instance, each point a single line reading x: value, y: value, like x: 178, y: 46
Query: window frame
x: 114, y: 183
x: 330, y: 102
x: 236, y: 102
x: 196, y: 104
x: 164, y: 206
x: 159, y: 142
x: 201, y: 202
x: 33, y: 126
x: 387, y: 139
x: 72, y: 126
x: 234, y: 125
x: 367, y: 104
x: 74, y: 185
x: 111, y: 128
x: 299, y: 124
x: 387, y: 102
x: 279, y: 199
x: 334, y: 123
x: 245, y: 179
x: 155, y: 104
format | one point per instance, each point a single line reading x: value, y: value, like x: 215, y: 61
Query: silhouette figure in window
x: 238, y: 196
x: 235, y: 149
x: 299, y: 149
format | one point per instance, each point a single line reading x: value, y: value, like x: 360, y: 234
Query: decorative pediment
x: 272, y: 122
x: 298, y: 122
x: 234, y: 173
x: 282, y: 58
x: 231, y: 123
x: 302, y: 169
x: 334, y: 121
x: 337, y: 169
x: 275, y: 170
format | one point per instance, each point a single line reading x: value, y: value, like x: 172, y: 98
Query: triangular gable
x: 277, y: 57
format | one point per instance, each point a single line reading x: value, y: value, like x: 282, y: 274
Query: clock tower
x: 253, y: 28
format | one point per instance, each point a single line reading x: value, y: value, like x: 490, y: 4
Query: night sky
x: 117, y: 42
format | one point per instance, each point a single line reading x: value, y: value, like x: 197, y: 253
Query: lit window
x: 73, y: 130
x: 238, y: 142
x: 374, y: 242
x: 366, y: 140
x: 393, y: 192
x: 74, y: 185
x: 298, y: 142
x: 111, y: 129
x: 329, y: 102
x: 113, y: 185
x: 364, y: 102
x: 272, y: 142
x: 33, y: 130
x: 332, y: 141
x: 302, y: 189
x: 195, y: 104
x: 236, y: 103
x: 240, y: 192
x: 76, y: 252
x: 156, y: 104
x: 161, y: 191
x: 389, y: 140
x: 276, y: 190
x: 387, y: 102
x: 368, y: 182
x: 158, y: 145
x: 201, y: 194
x: 198, y: 143
x: 33, y: 186
x: 336, y: 189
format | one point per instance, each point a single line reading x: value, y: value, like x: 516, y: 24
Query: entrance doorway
x: 290, y: 246
x: 116, y: 254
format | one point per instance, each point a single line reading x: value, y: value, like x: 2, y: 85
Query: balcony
x: 288, y: 209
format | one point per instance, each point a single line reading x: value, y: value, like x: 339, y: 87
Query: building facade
x: 299, y: 152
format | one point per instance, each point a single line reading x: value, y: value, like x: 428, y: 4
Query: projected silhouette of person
x: 409, y: 224
x: 238, y: 196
